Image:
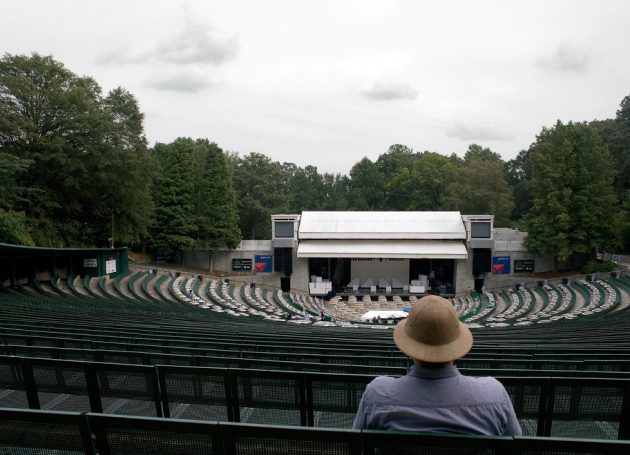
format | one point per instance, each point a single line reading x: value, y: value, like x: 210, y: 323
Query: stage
x: 359, y: 294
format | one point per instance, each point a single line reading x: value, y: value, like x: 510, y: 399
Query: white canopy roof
x: 385, y: 249
x: 384, y: 315
x: 382, y: 225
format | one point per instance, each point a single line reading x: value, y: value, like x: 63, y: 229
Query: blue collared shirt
x: 437, y: 400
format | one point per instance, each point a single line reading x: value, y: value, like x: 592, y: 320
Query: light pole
x: 112, y: 237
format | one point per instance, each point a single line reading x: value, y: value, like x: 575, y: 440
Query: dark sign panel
x: 242, y: 265
x: 165, y: 256
x: 480, y: 230
x: 524, y: 265
x: 284, y: 229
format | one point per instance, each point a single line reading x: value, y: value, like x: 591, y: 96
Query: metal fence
x: 609, y: 365
x: 545, y: 406
x: 30, y: 432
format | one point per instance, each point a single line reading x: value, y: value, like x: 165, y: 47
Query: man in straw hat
x: 434, y: 396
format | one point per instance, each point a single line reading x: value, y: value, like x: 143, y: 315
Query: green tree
x: 175, y: 223
x: 571, y: 191
x: 484, y: 154
x: 623, y: 222
x: 306, y: 187
x: 518, y: 174
x: 422, y: 186
x: 12, y: 168
x: 615, y: 133
x: 217, y: 216
x: 480, y: 188
x: 261, y: 190
x: 52, y: 118
x: 397, y: 157
x: 82, y: 154
x: 456, y: 159
x: 124, y: 172
x: 336, y: 190
x: 13, y: 228
x: 367, y: 187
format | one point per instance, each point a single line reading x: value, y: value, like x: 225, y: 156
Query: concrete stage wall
x: 375, y: 269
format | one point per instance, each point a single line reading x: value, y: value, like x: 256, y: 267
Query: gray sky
x: 328, y: 82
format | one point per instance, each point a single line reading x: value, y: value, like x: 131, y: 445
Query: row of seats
x: 615, y: 368
x: 571, y: 406
x: 521, y: 307
x: 20, y: 327
x: 203, y: 293
x: 119, y: 305
x: 543, y: 305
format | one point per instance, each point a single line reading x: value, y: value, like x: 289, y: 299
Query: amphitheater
x: 164, y: 362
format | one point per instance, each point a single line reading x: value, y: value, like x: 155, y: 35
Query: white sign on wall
x: 89, y: 262
x: 110, y: 266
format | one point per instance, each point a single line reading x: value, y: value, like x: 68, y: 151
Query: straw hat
x: 432, y: 332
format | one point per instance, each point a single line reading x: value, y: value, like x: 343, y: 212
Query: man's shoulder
x: 485, y: 386
x: 382, y: 385
x: 482, y: 380
x: 383, y: 381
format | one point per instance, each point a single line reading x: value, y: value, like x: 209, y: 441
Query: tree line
x: 77, y: 171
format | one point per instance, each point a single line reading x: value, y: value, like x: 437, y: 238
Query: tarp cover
x: 383, y: 315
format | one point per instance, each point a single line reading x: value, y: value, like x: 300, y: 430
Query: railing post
x: 624, y: 418
x: 231, y: 394
x: 29, y: 384
x: 97, y: 427
x: 94, y: 393
x: 86, y: 435
x: 310, y: 414
x: 166, y: 409
x: 153, y: 383
x: 302, y: 400
x: 545, y: 410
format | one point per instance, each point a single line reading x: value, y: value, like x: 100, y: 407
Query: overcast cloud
x: 197, y: 43
x: 566, y: 58
x: 477, y: 133
x: 328, y: 82
x: 384, y: 91
x: 184, y: 82
x: 194, y: 43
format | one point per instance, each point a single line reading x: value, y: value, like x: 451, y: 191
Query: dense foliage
x: 76, y: 167
x: 73, y: 160
x: 594, y: 266
x: 571, y: 193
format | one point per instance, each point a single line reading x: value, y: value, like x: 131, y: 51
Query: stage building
x: 376, y: 253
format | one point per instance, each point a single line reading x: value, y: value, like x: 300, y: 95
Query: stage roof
x: 382, y: 249
x: 382, y: 225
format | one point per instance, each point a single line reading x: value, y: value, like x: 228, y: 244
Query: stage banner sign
x: 263, y: 264
x: 500, y: 265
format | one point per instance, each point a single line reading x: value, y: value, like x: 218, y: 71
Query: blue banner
x: 500, y: 265
x: 263, y: 264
